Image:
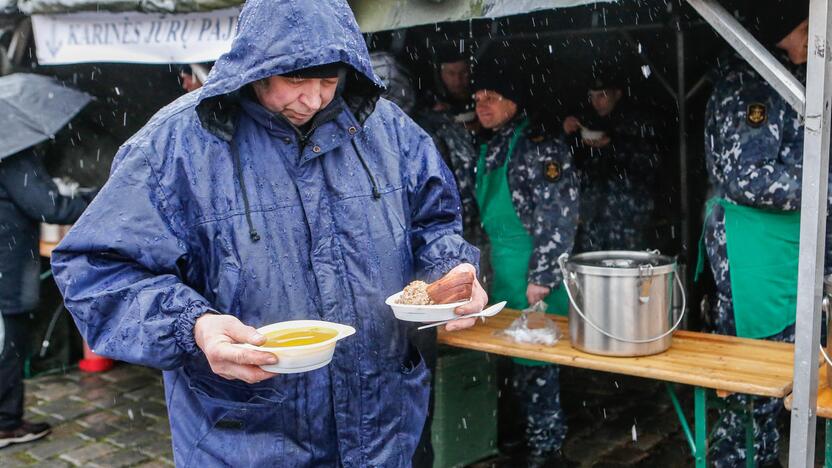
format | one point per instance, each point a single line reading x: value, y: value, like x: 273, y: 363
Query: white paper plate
x: 423, y: 313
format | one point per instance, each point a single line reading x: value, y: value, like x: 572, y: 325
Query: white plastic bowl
x: 297, y: 359
x: 423, y: 313
x: 591, y: 135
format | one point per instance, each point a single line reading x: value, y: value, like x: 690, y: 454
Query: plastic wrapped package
x: 534, y: 327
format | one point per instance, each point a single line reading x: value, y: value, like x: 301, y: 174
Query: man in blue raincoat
x: 284, y: 189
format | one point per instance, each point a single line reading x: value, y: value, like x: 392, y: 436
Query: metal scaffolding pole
x: 812, y: 237
x: 681, y: 103
x: 752, y: 51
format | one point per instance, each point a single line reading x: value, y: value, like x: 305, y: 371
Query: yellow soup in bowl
x: 298, y: 337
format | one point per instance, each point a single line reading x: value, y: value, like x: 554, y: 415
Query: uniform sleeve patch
x: 756, y: 114
x: 551, y: 171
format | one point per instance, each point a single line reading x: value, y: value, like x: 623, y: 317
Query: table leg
x: 698, y: 440
x: 700, y: 410
x: 827, y: 459
x: 683, y: 421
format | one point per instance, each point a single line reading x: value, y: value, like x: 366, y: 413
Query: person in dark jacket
x: 283, y: 189
x: 618, y: 167
x: 27, y: 197
x: 454, y: 82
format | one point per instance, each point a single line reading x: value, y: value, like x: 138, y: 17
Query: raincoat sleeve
x: 120, y: 271
x: 554, y: 217
x: 755, y: 173
x: 31, y: 189
x: 436, y: 225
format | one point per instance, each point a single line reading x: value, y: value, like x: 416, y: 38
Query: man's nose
x: 312, y: 96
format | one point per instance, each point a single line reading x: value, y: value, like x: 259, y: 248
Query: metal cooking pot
x: 621, y: 302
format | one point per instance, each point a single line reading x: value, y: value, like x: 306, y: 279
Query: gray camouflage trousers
x: 727, y: 449
x: 728, y: 444
x: 538, y: 389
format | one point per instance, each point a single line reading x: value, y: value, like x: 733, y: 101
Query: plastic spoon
x: 489, y: 312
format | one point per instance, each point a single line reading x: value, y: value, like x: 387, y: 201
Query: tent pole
x: 684, y: 197
x: 752, y: 51
x: 812, y: 237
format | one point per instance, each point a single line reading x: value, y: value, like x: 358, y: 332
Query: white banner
x: 133, y: 37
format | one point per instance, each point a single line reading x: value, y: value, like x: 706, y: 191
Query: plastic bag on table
x: 533, y: 326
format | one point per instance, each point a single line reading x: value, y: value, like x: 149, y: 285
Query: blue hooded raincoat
x: 217, y: 203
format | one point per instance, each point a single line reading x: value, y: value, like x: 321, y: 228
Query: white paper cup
x: 591, y: 135
x: 50, y: 233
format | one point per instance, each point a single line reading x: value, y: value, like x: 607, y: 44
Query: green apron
x: 511, y: 244
x: 763, y: 248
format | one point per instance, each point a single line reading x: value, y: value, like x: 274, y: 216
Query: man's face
x: 456, y: 78
x: 297, y: 99
x: 796, y: 44
x: 604, y: 101
x: 493, y: 110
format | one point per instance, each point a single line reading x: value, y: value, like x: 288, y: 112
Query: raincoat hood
x: 276, y: 37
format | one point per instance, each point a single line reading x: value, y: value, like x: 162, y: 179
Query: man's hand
x: 571, y: 125
x: 478, y: 300
x: 536, y: 293
x: 599, y: 143
x: 216, y: 334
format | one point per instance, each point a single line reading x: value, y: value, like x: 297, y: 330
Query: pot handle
x: 610, y: 335
x: 564, y: 257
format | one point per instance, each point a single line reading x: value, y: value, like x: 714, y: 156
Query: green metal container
x: 464, y: 426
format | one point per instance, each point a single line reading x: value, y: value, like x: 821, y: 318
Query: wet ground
x: 118, y: 418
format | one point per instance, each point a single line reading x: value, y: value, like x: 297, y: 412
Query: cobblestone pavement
x: 112, y: 419
x: 118, y: 418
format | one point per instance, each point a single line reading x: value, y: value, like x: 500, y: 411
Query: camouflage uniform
x: 759, y: 166
x: 617, y: 181
x: 547, y: 205
x: 544, y: 190
x: 541, y: 410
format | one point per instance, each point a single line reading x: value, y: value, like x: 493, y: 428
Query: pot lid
x: 622, y: 259
x: 621, y: 263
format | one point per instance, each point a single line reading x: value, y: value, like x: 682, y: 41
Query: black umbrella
x: 33, y: 108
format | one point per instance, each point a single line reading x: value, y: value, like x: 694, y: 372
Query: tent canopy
x: 380, y: 15
x: 372, y: 15
x: 34, y: 7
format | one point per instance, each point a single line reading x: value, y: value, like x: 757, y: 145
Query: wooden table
x: 724, y: 364
x: 824, y: 410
